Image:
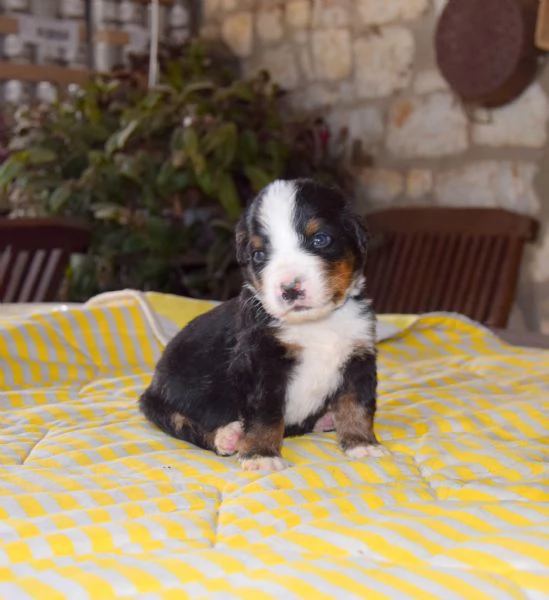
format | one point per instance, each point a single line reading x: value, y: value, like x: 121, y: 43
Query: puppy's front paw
x: 263, y: 463
x: 367, y: 451
x: 226, y: 438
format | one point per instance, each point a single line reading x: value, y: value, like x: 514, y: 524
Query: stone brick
x: 381, y: 185
x: 210, y: 31
x: 521, y: 123
x: 331, y: 13
x: 237, y: 31
x: 490, y: 183
x: 306, y: 62
x: 322, y: 95
x: 379, y: 12
x: 429, y: 81
x: 427, y: 126
x: 300, y: 36
x: 419, y: 183
x: 364, y: 124
x: 315, y: 95
x: 298, y: 13
x: 211, y: 8
x: 269, y: 25
x: 281, y: 64
x: 332, y: 54
x: 383, y: 62
x: 232, y: 4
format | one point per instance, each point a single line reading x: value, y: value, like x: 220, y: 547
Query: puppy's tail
x: 170, y: 421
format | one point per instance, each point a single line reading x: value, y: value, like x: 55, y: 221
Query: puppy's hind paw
x: 367, y: 451
x: 325, y: 423
x: 226, y: 438
x: 263, y: 463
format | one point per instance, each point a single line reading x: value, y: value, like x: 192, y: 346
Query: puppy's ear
x: 241, y: 241
x: 357, y: 228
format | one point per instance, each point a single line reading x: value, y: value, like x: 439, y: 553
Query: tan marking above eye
x: 256, y: 242
x: 313, y: 226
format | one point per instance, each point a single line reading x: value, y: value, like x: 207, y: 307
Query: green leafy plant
x: 161, y: 174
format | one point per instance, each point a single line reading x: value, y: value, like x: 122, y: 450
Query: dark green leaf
x: 60, y: 197
x: 39, y: 156
x: 120, y: 138
x: 190, y: 140
x: 204, y: 180
x: 9, y: 171
x: 258, y: 177
x: 228, y: 196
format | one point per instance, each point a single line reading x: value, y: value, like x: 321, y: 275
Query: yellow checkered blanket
x: 97, y: 504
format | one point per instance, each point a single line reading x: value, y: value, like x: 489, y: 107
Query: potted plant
x: 160, y: 174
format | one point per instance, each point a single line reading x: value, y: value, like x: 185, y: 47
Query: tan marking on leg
x: 355, y: 427
x: 261, y: 441
x: 178, y: 421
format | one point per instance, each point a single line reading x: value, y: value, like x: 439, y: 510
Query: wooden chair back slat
x: 444, y: 252
x: 34, y: 276
x: 34, y: 256
x: 493, y: 265
x: 447, y: 259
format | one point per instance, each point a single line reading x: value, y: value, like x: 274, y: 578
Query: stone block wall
x: 369, y: 65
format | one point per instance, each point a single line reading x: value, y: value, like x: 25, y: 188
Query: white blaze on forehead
x: 276, y: 214
x: 287, y: 259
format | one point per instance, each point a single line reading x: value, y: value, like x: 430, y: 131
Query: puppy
x: 293, y: 353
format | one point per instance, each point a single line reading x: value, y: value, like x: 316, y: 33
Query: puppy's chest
x: 324, y: 349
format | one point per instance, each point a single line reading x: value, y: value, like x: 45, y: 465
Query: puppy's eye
x: 259, y: 257
x: 321, y: 240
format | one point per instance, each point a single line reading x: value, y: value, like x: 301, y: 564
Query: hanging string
x: 153, y: 49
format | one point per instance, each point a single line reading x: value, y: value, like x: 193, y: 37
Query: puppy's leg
x: 260, y: 371
x: 260, y: 446
x: 223, y: 440
x: 354, y: 409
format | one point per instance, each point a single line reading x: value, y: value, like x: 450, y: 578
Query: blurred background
x: 405, y: 103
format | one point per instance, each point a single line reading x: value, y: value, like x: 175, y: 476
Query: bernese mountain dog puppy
x: 295, y: 352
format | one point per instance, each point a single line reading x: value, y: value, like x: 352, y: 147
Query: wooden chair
x: 34, y: 256
x: 464, y: 260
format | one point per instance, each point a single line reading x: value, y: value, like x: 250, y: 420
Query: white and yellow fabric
x: 97, y: 504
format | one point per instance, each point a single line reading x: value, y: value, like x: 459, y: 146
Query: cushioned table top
x: 96, y: 503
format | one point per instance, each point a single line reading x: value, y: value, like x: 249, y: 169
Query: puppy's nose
x: 291, y: 290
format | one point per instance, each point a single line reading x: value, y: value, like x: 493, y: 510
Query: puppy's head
x: 302, y: 250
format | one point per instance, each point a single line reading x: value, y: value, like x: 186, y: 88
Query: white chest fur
x: 326, y: 347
